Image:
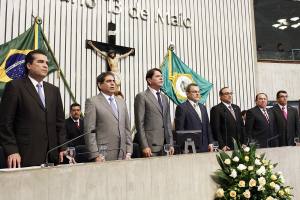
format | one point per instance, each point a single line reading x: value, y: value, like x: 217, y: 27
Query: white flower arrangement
x: 247, y: 175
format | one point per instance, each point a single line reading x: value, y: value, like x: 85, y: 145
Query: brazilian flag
x: 12, y: 54
x: 177, y: 76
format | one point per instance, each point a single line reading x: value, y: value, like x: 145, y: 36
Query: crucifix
x: 111, y: 53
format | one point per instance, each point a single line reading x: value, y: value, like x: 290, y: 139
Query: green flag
x: 177, y: 76
x: 12, y: 54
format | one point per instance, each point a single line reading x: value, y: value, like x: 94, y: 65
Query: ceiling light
x: 282, y: 21
x: 282, y: 27
x: 294, y: 19
x: 295, y: 25
x: 276, y: 25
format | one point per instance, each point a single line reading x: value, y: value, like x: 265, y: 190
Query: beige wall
x: 218, y: 46
x: 272, y: 77
x: 174, y: 178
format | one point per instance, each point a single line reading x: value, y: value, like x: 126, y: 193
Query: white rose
x: 250, y: 168
x: 261, y: 171
x: 242, y: 183
x: 271, y: 166
x: 246, y: 158
x: 227, y: 161
x: 287, y: 190
x: 252, y: 183
x: 232, y: 193
x: 273, y: 177
x: 236, y: 159
x: 265, y: 162
x: 241, y: 167
x: 257, y: 162
x: 281, y: 178
x: 272, y: 185
x: 269, y: 198
x: 233, y: 173
x: 281, y: 193
x: 260, y: 188
x: 220, y: 193
x: 276, y: 188
x: 246, y: 149
x: 247, y: 194
x: 262, y: 181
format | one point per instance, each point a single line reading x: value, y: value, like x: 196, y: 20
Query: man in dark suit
x: 226, y: 121
x: 74, y: 125
x: 74, y: 128
x: 32, y: 120
x: 260, y: 123
x: 191, y: 115
x: 287, y: 120
x: 152, y: 116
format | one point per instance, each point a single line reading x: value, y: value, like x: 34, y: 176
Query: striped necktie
x: 266, y: 115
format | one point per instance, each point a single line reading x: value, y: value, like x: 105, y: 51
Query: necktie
x: 77, y: 124
x: 41, y: 93
x: 113, y: 106
x: 232, y: 111
x: 198, y: 111
x: 284, y: 112
x: 159, y: 100
x: 266, y: 115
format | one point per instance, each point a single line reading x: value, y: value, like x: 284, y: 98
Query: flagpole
x: 56, y: 63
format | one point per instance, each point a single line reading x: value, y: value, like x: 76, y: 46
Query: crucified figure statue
x: 113, y: 61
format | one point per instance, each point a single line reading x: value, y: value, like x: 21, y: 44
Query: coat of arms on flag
x: 177, y: 76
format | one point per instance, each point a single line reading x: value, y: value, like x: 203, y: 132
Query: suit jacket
x: 259, y: 129
x: 27, y: 127
x: 72, y: 132
x: 105, y: 128
x: 225, y: 127
x: 152, y: 124
x: 287, y: 129
x: 186, y: 118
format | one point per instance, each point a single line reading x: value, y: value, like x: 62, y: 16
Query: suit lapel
x: 260, y: 113
x: 228, y: 111
x: 107, y: 106
x: 277, y: 107
x: 119, y: 105
x: 164, y: 100
x: 193, y: 111
x: 47, y: 93
x: 153, y: 99
x: 32, y: 91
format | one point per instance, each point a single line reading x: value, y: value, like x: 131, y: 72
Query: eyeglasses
x: 228, y: 93
x: 194, y: 92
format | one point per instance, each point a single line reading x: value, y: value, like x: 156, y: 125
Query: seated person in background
x: 191, y: 115
x: 74, y: 128
x: 74, y: 125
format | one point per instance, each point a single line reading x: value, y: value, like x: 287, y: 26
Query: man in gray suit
x: 152, y: 116
x: 107, y: 121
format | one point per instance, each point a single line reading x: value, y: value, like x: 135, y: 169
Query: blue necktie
x: 113, y: 106
x: 40, y: 92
